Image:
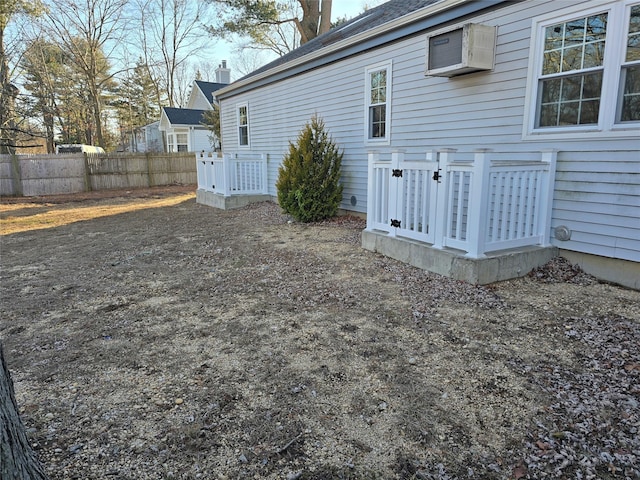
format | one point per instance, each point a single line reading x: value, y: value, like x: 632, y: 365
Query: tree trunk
x: 308, y: 24
x: 17, y: 460
x: 325, y: 17
x: 8, y: 94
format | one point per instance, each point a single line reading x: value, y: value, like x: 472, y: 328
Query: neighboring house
x: 145, y: 139
x: 548, y: 83
x: 183, y: 128
x: 202, y: 93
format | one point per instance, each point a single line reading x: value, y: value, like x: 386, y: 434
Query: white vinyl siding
x: 198, y: 101
x: 200, y: 141
x: 478, y: 110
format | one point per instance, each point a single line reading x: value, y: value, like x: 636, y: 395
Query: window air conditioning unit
x: 467, y: 49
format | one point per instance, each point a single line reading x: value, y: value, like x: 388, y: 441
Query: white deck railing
x: 232, y: 174
x: 476, y: 206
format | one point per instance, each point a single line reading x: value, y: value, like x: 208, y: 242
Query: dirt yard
x: 150, y: 337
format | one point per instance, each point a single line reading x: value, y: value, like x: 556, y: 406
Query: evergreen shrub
x: 308, y: 183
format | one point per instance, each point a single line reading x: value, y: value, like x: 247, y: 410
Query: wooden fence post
x: 87, y: 173
x: 16, y: 176
x: 149, y: 170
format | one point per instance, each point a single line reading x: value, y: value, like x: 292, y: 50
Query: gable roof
x: 207, y: 88
x: 389, y: 22
x: 183, y: 116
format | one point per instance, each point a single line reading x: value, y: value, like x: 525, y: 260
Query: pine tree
x: 308, y: 183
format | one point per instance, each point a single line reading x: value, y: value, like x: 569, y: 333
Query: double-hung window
x: 182, y: 142
x: 378, y: 103
x: 243, y: 125
x: 586, y: 71
x: 629, y: 106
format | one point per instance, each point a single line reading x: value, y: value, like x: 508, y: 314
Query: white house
x: 183, y: 128
x: 474, y: 133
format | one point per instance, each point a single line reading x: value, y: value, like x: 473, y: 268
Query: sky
x: 351, y: 8
x: 339, y: 9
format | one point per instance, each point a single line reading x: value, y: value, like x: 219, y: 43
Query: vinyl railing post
x: 477, y: 209
x: 215, y: 182
x: 372, y: 195
x: 264, y: 172
x: 199, y: 174
x: 550, y: 157
x: 444, y: 156
x: 226, y: 175
x: 395, y: 187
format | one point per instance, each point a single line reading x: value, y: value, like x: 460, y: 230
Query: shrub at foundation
x: 308, y: 183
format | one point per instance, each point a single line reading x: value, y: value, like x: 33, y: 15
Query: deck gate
x: 407, y: 198
x: 232, y: 174
x: 475, y: 206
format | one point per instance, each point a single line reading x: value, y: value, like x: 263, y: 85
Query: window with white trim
x: 243, y: 125
x: 170, y: 142
x: 378, y: 103
x: 629, y: 106
x: 587, y: 70
x: 182, y: 142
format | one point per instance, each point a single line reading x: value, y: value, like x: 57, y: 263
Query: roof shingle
x: 208, y: 88
x: 184, y: 116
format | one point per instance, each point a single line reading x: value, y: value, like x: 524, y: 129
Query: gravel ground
x: 174, y: 340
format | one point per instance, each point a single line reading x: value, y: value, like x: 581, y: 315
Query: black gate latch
x: 436, y: 175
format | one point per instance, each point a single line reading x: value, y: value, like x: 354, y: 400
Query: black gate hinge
x: 395, y: 223
x: 396, y: 172
x: 436, y: 175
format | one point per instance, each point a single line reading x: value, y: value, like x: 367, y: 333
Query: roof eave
x: 340, y: 45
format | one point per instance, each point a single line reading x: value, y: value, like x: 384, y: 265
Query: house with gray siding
x: 474, y: 132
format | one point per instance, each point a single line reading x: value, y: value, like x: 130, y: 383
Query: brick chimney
x: 223, y: 74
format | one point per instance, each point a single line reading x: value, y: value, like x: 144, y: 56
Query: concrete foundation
x: 500, y: 265
x: 614, y: 270
x: 228, y: 203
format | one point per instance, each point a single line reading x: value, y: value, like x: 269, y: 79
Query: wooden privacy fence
x: 31, y: 175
